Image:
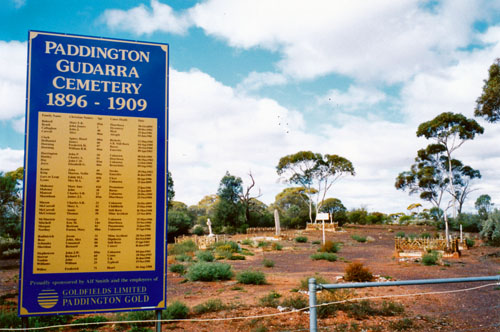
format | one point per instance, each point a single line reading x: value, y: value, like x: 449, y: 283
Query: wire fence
x: 93, y: 324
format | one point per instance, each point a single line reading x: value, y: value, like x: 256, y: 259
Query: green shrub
x: 236, y: 258
x: 9, y: 248
x: 360, y: 310
x: 182, y: 248
x: 268, y: 262
x: 430, y: 258
x: 400, y: 234
x: 491, y: 228
x: 251, y: 277
x: 247, y: 242
x: 357, y: 272
x: 327, y: 256
x: 177, y: 268
x: 91, y: 319
x: 183, y: 258
x: 330, y: 246
x: 198, y: 230
x: 9, y: 318
x: 330, y: 296
x: 43, y: 321
x: 11, y: 253
x: 204, y: 271
x: 212, y: 305
x: 304, y: 283
x: 301, y: 239
x: 297, y: 301
x: 425, y: 236
x: 247, y: 252
x: 391, y: 309
x: 402, y: 324
x: 230, y: 246
x: 276, y: 246
x: 358, y: 238
x: 205, y: 256
x: 270, y: 300
x: 470, y: 242
x: 263, y: 244
x: 316, y: 242
x: 176, y: 310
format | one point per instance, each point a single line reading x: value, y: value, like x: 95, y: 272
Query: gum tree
x: 315, y: 172
x: 450, y: 131
x: 488, y: 104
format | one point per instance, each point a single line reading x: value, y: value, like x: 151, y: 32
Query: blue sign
x: 94, y: 219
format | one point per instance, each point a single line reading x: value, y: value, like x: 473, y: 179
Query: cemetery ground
x: 475, y: 310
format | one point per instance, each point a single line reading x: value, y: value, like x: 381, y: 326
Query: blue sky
x: 252, y: 81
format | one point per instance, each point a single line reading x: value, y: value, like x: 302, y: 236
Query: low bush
x: 205, y: 256
x: 316, y: 242
x: 177, y: 268
x: 212, y: 305
x: 204, y: 271
x: 304, y: 283
x: 230, y: 246
x: 9, y: 318
x: 176, y: 310
x: 491, y: 228
x: 470, y: 242
x: 301, y: 239
x: 237, y: 258
x: 198, y: 230
x: 268, y: 263
x: 425, y: 235
x: 262, y: 244
x: 402, y: 324
x: 357, y: 272
x: 327, y: 256
x: 9, y: 248
x: 247, y: 242
x: 182, y: 248
x: 329, y: 297
x: 297, y: 301
x: 400, y: 234
x: 183, y: 258
x: 251, y: 277
x: 358, y: 238
x: 391, y: 309
x: 330, y: 246
x: 270, y: 300
x: 276, y: 246
x: 360, y: 310
x: 43, y: 321
x: 91, y: 319
x: 430, y: 258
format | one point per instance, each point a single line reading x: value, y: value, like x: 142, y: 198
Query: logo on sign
x: 47, y: 298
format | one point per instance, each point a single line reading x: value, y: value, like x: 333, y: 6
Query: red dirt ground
x: 474, y: 310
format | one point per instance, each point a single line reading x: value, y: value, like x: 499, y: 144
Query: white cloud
x: 255, y: 81
x: 214, y: 129
x: 142, y: 20
x: 12, y: 79
x: 375, y: 40
x: 380, y: 40
x: 10, y: 159
x: 354, y: 98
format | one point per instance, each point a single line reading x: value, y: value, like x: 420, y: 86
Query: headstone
x: 277, y: 222
x: 209, y: 224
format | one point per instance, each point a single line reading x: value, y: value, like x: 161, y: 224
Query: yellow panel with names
x: 95, y: 193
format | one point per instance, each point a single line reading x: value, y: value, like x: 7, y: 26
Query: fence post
x: 313, y: 322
